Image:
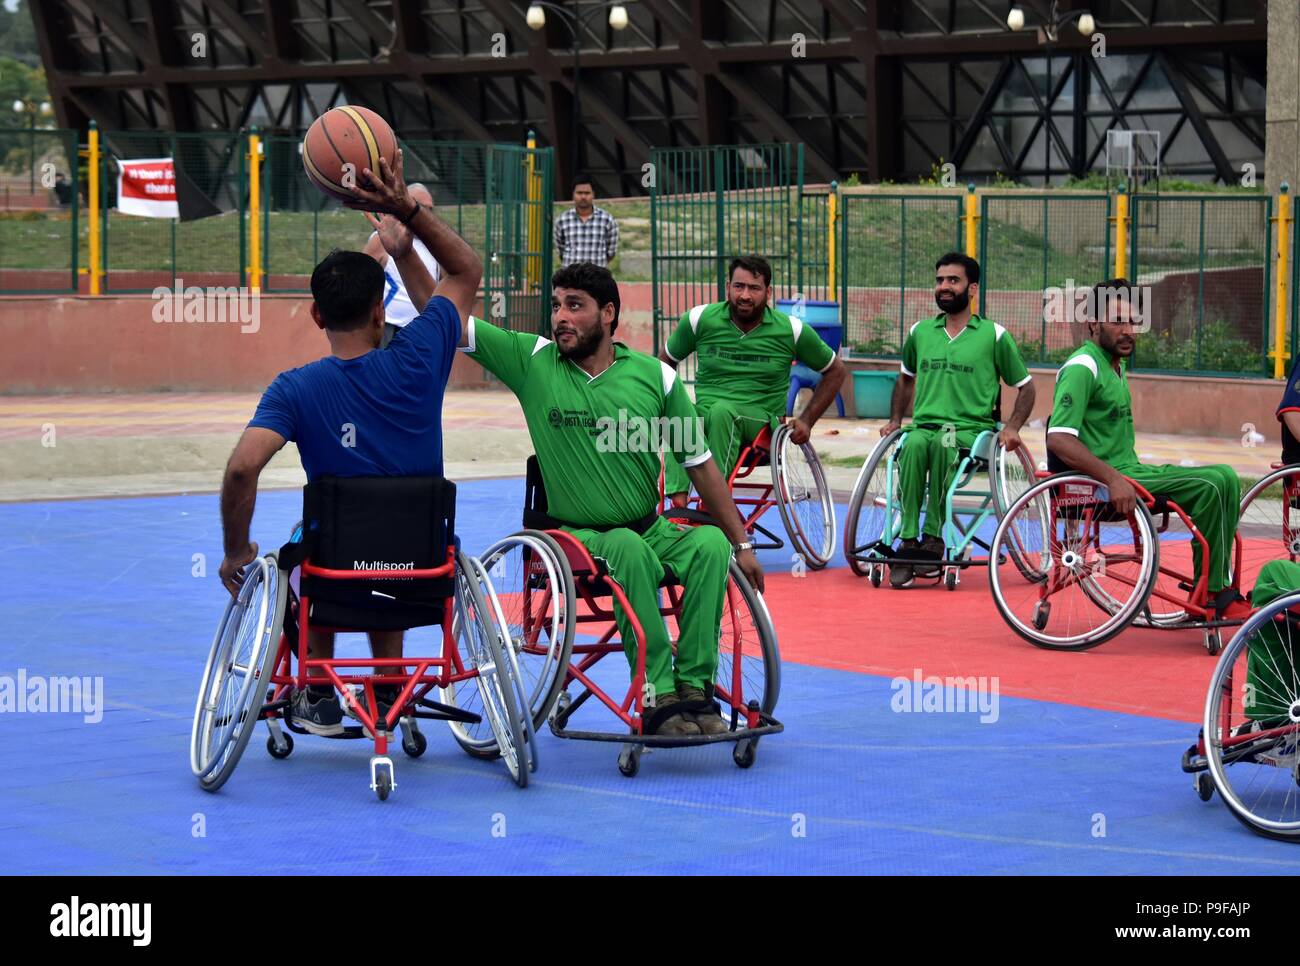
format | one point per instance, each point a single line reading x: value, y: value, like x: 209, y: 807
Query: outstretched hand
x: 393, y: 235
x: 382, y: 192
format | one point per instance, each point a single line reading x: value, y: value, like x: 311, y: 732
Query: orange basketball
x: 341, y: 144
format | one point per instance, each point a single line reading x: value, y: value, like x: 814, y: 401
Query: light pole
x: 31, y: 108
x: 536, y: 19
x: 1050, y: 31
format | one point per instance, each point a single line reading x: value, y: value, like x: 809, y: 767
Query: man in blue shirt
x: 360, y: 411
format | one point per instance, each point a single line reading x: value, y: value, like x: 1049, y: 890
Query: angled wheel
x: 804, y: 498
x: 1252, y: 721
x: 749, y: 661
x: 480, y: 633
x: 534, y: 586
x: 1011, y: 474
x: 239, y: 663
x: 874, y: 515
x: 1269, y: 525
x: 1085, y: 572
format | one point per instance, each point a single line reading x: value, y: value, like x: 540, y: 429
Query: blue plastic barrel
x: 822, y: 316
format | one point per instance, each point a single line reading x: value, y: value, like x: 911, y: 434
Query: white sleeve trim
x: 1080, y: 359
x: 829, y: 364
x: 694, y: 317
x: 914, y: 325
x: 998, y: 331
x: 1062, y: 429
x: 541, y: 343
x: 697, y: 460
x: 669, y: 376
x: 796, y: 325
x: 669, y: 354
x: 470, y: 344
x: 906, y: 371
x: 1025, y: 380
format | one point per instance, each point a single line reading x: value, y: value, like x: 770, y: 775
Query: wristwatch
x: 743, y: 546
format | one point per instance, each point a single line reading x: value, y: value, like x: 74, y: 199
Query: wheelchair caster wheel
x: 381, y: 776
x: 877, y: 574
x: 561, y: 705
x: 1213, y: 642
x: 1042, y: 610
x: 744, y: 753
x: 280, y: 751
x: 1204, y: 786
x: 414, y: 744
x: 629, y: 760
x: 950, y: 578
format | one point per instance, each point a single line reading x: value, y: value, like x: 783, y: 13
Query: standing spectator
x: 586, y: 233
x: 62, y: 190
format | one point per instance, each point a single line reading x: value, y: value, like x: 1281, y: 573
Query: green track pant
x: 1271, y: 670
x: 729, y: 426
x: 926, y: 464
x: 699, y: 557
x: 1211, y: 496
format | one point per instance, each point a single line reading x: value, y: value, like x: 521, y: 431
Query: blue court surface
x: 106, y: 588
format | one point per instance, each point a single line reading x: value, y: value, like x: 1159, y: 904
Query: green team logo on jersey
x: 555, y: 417
x: 1067, y: 401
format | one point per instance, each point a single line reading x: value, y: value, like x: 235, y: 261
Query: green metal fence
x: 711, y: 204
x: 1206, y: 262
x: 142, y: 253
x: 517, y: 229
x: 812, y: 276
x: 41, y: 221
x: 1036, y: 249
x: 888, y: 245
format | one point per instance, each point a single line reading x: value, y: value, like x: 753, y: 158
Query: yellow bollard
x: 1121, y: 233
x: 1283, y: 253
x: 95, y: 227
x: 533, y: 192
x: 971, y: 218
x: 254, y: 211
x: 832, y: 216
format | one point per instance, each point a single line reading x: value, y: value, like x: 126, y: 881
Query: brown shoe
x: 674, y: 725
x: 709, y: 721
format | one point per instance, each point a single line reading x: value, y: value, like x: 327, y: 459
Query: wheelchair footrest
x: 769, y: 726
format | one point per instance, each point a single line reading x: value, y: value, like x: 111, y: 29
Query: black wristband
x: 414, y: 211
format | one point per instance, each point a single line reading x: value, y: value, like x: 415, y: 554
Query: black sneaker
x: 935, y: 546
x: 384, y: 697
x: 901, y: 574
x: 319, y: 714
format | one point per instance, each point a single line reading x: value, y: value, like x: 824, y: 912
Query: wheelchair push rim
x: 533, y: 583
x: 865, y: 525
x: 1269, y: 523
x: 1079, y: 557
x: 1251, y: 724
x: 803, y: 498
x: 243, y: 653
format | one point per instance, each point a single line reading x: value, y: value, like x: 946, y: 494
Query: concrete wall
x: 1282, y: 103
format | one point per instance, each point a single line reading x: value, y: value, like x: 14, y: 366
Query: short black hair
x: 968, y: 264
x: 596, y: 281
x: 582, y: 178
x: 346, y: 287
x: 752, y: 264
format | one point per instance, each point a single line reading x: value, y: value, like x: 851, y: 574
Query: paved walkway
x: 151, y: 443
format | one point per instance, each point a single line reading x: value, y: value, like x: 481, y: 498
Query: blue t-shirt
x: 1290, y: 402
x: 379, y: 414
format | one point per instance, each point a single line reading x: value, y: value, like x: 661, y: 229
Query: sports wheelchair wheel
x: 748, y: 657
x: 479, y: 629
x: 1011, y: 474
x: 534, y: 586
x: 1269, y: 525
x: 1251, y: 725
x: 804, y: 498
x: 239, y: 663
x: 1084, y: 572
x: 871, y: 524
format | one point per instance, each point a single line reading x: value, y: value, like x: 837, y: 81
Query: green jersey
x: 1092, y: 402
x: 598, y: 440
x: 957, y: 378
x: 751, y: 368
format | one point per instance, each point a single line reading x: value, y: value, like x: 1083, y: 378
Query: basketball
x: 341, y: 144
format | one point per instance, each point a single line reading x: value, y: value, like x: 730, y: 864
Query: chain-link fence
x: 889, y: 243
x: 141, y: 253
x: 1204, y: 264
x: 1035, y: 251
x: 41, y: 217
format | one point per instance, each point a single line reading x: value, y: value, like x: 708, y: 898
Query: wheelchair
x: 1083, y: 572
x: 1269, y: 522
x: 558, y: 605
x: 875, y: 517
x: 1252, y: 720
x: 798, y: 490
x: 259, y: 655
